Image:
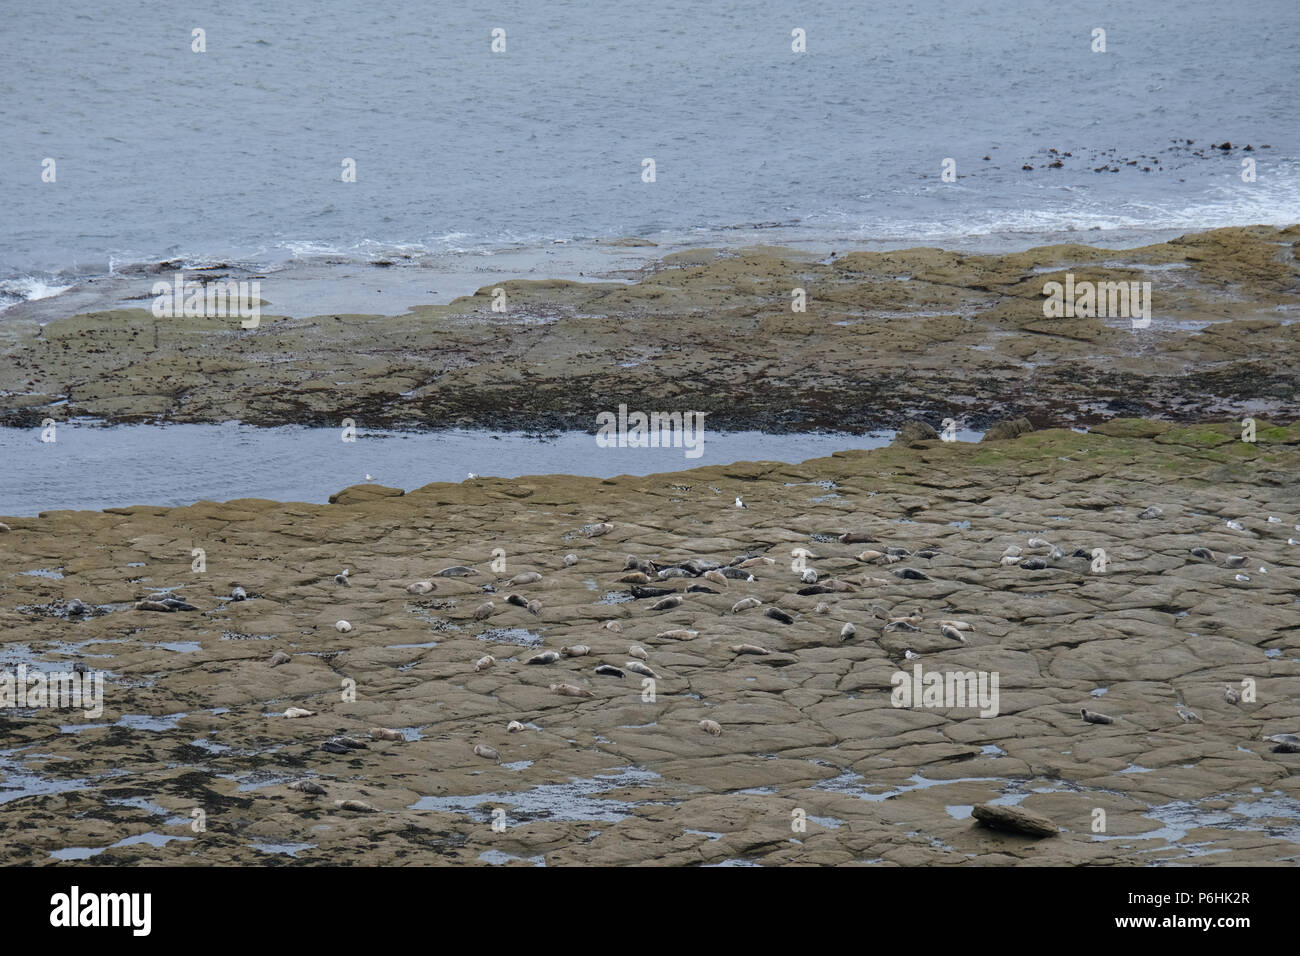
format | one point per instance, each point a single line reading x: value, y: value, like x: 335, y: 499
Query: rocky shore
x: 887, y: 336
x: 813, y: 762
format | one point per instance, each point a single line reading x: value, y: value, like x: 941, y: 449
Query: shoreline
x: 887, y: 337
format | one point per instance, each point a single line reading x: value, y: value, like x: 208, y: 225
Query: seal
x: 744, y: 604
x: 736, y: 574
x: 526, y: 577
x: 1205, y: 554
x: 776, y: 614
x: 871, y: 557
x: 484, y: 610
x: 545, y: 657
x: 668, y: 603
x: 809, y: 576
x: 570, y: 560
x: 1092, y: 717
x: 278, y: 658
x: 678, y: 634
x: 1234, y: 561
x: 568, y: 690
x: 1230, y: 694
x: 749, y: 649
x: 847, y: 632
x: 386, y: 733
x: 673, y: 572
x: 641, y: 593
x: 457, y: 571
x: 711, y: 726
x: 1034, y: 564
x: 1009, y: 560
x: 76, y: 608
x: 577, y: 650
x: 612, y: 626
x: 1286, y: 743
x: 635, y: 577
x: 609, y: 670
x: 911, y: 574
x: 355, y: 806
x: 238, y: 594
x: 857, y: 537
x: 518, y: 600
x: 636, y: 667
x: 342, y: 578
x: 334, y: 747
x: 755, y: 562
x: 959, y: 625
x: 342, y: 626
x: 636, y: 650
x: 952, y: 634
x: 4, y: 528
x: 483, y: 750
x: 483, y: 663
x: 298, y: 712
x: 717, y: 577
x: 420, y: 587
x: 596, y: 530
x: 514, y: 726
x: 701, y: 589
x: 822, y: 608
x: 307, y: 786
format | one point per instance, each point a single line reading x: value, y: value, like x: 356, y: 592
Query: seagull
x: 1230, y: 694
x: 471, y: 476
x: 370, y: 478
x: 739, y: 503
x: 343, y: 579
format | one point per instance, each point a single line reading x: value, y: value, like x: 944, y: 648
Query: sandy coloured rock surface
x: 191, y: 708
x: 887, y: 336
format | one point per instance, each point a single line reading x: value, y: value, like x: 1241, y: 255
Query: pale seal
x: 749, y: 649
x: 636, y: 667
x: 526, y: 577
x: 483, y: 663
x: 278, y: 658
x: 342, y: 626
x: 483, y: 750
x: 847, y: 632
x: 545, y: 657
x: 420, y: 587
x: 355, y: 806
x: 577, y: 650
x: 484, y: 610
x: 667, y: 603
x: 678, y: 634
x: 386, y: 733
x: 744, y: 604
x: 711, y: 726
x: 636, y: 650
x: 568, y: 690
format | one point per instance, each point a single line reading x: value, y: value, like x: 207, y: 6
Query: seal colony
x: 707, y: 714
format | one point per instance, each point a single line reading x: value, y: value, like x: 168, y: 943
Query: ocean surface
x: 88, y: 467
x: 234, y: 155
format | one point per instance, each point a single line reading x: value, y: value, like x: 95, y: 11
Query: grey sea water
x: 89, y: 467
x: 235, y: 154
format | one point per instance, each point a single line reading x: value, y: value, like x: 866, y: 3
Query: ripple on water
x: 511, y: 635
x: 553, y: 801
x: 498, y: 858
